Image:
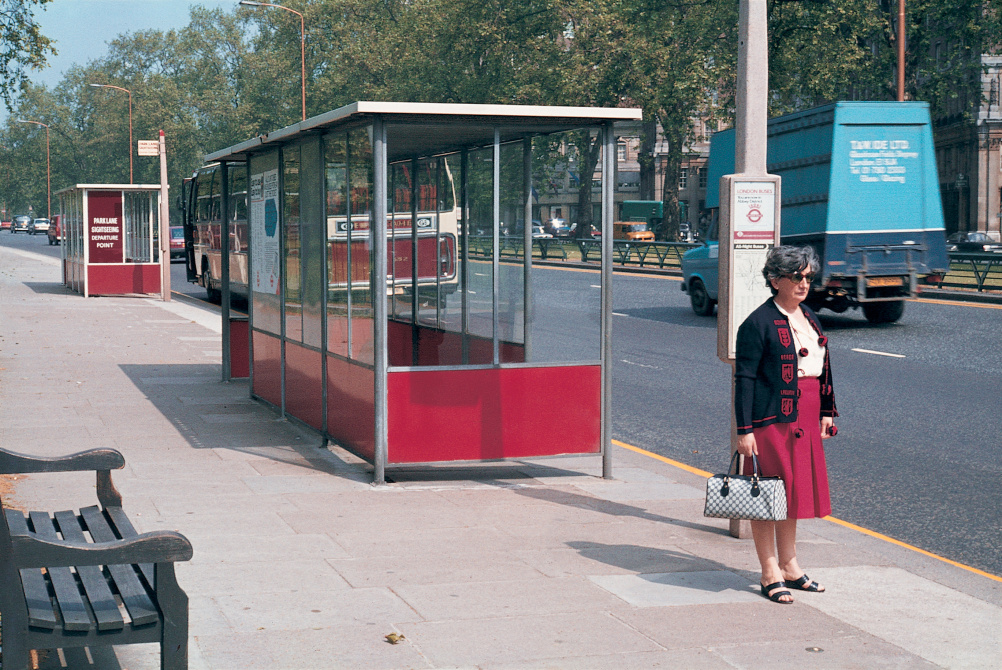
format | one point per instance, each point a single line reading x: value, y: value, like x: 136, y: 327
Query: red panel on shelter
x: 239, y: 349
x: 268, y: 368
x: 122, y: 279
x: 304, y: 384
x: 351, y: 409
x: 448, y: 415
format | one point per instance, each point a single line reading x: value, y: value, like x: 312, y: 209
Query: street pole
x: 901, y: 50
x: 164, y: 224
x: 119, y: 88
x: 302, y: 43
x: 749, y: 199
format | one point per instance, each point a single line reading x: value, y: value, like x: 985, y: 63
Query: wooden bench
x: 86, y: 578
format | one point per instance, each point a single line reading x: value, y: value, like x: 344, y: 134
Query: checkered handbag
x: 734, y: 496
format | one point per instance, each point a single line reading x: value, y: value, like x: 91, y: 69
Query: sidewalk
x: 301, y: 563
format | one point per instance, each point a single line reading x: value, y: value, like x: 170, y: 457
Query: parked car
x: 557, y: 227
x: 4, y: 225
x: 176, y: 243
x: 20, y: 224
x: 636, y: 231
x: 538, y: 232
x: 55, y: 230
x: 38, y: 226
x: 971, y: 241
x: 595, y: 232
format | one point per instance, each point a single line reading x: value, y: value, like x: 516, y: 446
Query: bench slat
x: 68, y: 598
x: 123, y: 528
x: 142, y: 610
x: 36, y: 593
x: 102, y: 601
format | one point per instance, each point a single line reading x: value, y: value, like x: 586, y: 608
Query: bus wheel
x: 702, y: 304
x: 883, y: 312
x: 213, y: 295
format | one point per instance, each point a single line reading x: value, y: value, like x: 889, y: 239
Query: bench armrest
x: 12, y: 463
x: 162, y: 546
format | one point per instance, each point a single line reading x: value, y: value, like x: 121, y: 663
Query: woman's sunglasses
x: 798, y: 277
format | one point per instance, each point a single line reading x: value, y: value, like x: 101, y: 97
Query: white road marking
x: 640, y: 365
x: 879, y: 353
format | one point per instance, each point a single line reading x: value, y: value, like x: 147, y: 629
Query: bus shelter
x: 384, y: 310
x: 108, y: 237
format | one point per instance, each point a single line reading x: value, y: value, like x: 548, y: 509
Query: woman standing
x: 785, y: 406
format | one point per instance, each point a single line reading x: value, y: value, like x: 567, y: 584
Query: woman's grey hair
x: 786, y: 260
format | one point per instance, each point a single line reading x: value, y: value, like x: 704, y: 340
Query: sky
x: 83, y: 28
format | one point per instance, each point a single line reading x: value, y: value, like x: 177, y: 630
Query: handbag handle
x: 726, y: 486
x: 733, y: 469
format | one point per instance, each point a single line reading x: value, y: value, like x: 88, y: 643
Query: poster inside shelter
x: 265, y: 247
x: 104, y: 226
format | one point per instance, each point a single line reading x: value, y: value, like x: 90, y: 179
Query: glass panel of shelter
x: 451, y: 316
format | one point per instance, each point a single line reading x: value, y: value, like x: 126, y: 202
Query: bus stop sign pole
x: 749, y: 200
x: 164, y: 224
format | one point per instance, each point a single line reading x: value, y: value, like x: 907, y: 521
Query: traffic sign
x: 149, y: 148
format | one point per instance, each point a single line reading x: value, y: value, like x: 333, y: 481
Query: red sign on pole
x: 104, y: 226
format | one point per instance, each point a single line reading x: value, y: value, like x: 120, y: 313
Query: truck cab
x: 859, y: 184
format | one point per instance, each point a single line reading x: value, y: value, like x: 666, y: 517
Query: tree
x: 22, y: 45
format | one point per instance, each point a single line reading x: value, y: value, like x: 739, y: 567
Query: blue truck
x: 859, y: 184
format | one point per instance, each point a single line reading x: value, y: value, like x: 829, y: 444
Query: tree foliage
x: 22, y: 45
x: 230, y: 75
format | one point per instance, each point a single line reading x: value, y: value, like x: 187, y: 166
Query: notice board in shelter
x: 104, y: 223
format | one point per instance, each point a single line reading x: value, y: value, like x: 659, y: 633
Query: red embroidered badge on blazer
x: 784, y: 336
x: 787, y: 372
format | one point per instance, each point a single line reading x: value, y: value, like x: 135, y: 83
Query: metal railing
x: 660, y: 255
x: 974, y: 269
x: 971, y: 270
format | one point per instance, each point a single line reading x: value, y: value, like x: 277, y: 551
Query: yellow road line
x: 885, y: 538
x: 865, y: 531
x: 682, y: 466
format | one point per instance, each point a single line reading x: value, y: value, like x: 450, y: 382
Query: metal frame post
x: 378, y: 280
x: 527, y: 248
x: 608, y: 167
x: 224, y: 252
x: 496, y: 252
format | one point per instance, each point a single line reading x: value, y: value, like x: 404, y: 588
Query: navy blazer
x: 765, y: 372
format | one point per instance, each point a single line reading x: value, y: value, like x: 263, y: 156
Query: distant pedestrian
x: 785, y: 406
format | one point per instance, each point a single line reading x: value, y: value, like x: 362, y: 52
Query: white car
x: 38, y: 226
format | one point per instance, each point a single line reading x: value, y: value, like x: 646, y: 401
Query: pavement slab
x: 300, y: 563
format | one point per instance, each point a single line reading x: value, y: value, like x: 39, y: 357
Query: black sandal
x: 805, y: 583
x: 777, y: 594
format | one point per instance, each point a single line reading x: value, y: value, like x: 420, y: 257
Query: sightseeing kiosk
x: 108, y: 237
x: 382, y: 312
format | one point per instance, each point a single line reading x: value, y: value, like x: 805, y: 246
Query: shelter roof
x: 421, y: 128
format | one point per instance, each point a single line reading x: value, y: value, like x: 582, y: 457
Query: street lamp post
x: 48, y: 167
x: 302, y: 43
x: 119, y: 88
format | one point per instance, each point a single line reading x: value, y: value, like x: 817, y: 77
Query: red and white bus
x: 436, y: 232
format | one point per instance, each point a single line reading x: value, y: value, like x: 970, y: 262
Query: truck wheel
x: 702, y: 304
x: 883, y: 312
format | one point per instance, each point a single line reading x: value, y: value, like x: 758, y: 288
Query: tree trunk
x: 648, y: 167
x: 589, y: 150
x: 672, y: 163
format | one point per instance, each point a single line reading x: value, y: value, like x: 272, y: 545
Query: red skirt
x: 800, y: 461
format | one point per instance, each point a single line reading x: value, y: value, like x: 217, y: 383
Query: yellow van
x: 635, y: 231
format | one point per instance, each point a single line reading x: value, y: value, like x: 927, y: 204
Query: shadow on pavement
x: 52, y: 288
x: 211, y: 414
x: 612, y: 508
